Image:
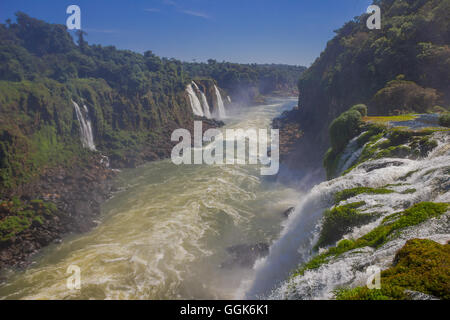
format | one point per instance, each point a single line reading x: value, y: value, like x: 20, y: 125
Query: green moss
x: 19, y: 216
x: 361, y: 108
x: 344, y: 128
x: 387, y: 119
x: 380, y: 235
x: 409, y: 191
x: 444, y: 120
x: 364, y: 293
x: 350, y: 193
x: 340, y: 220
x: 421, y: 265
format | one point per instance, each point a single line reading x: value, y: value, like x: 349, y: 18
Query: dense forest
x: 247, y: 81
x: 403, y: 67
x: 133, y: 100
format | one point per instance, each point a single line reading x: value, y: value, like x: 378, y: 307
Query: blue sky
x: 245, y: 31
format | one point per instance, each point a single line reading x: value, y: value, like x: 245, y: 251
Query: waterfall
x: 427, y: 177
x: 87, y: 138
x: 229, y: 99
x: 204, y: 101
x: 195, y: 102
x: 220, y: 107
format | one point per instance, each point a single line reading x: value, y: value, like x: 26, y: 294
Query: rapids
x: 165, y: 234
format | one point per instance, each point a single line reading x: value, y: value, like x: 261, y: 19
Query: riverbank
x: 66, y: 199
x: 171, y: 232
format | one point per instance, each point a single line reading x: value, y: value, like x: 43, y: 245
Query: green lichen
x: 390, y: 226
x: 340, y: 220
x: 353, y: 192
x: 17, y: 216
x: 421, y: 265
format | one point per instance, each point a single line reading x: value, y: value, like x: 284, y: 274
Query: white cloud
x: 196, y: 14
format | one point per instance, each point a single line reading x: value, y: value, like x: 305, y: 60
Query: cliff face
x: 404, y: 67
x: 245, y: 83
x: 68, y: 114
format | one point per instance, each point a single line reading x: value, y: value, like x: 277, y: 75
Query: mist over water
x: 165, y: 234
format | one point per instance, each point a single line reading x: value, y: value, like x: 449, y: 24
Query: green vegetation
x: 403, y: 68
x: 247, y: 81
x: 341, y: 131
x: 134, y: 100
x: 386, y: 119
x: 404, y: 96
x: 394, y: 143
x: 17, y: 216
x: 344, y: 128
x: 444, y: 120
x: 340, y: 220
x: 421, y: 265
x: 389, y: 227
x: 353, y: 192
x: 361, y: 108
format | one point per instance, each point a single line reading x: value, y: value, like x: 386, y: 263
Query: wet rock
x: 288, y: 212
x: 416, y: 295
x: 375, y: 166
x: 245, y: 255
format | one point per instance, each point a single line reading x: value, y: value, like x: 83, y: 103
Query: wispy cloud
x: 185, y: 11
x: 196, y: 14
x: 152, y: 10
x: 170, y: 3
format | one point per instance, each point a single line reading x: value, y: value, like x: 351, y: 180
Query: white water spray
x: 87, y: 137
x: 204, y: 101
x: 428, y: 178
x: 220, y: 107
x: 195, y: 102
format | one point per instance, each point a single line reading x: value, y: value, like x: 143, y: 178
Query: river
x: 165, y: 235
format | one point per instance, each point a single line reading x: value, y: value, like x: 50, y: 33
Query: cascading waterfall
x: 220, y: 107
x: 427, y: 177
x: 87, y: 137
x: 195, y: 102
x: 204, y: 101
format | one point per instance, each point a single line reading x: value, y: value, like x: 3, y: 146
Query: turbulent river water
x: 165, y: 235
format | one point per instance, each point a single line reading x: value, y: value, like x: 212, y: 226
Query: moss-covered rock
x: 353, y: 192
x: 421, y: 265
x: 390, y: 226
x: 444, y: 119
x: 340, y: 220
x: 17, y: 216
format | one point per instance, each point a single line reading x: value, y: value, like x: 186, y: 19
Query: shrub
x: 403, y: 96
x: 344, y: 128
x: 444, y: 120
x: 361, y: 108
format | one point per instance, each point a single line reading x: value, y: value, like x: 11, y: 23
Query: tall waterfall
x: 87, y: 138
x: 195, y: 102
x: 204, y: 101
x: 221, y: 109
x: 427, y: 177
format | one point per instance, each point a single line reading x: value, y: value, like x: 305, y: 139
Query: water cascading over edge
x: 195, y: 102
x: 220, y: 106
x: 87, y: 137
x: 204, y: 101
